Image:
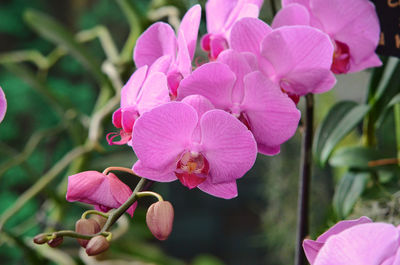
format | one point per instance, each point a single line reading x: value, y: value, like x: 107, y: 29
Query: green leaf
x: 51, y: 30
x: 354, y: 157
x: 341, y: 119
x: 381, y: 119
x: 350, y: 188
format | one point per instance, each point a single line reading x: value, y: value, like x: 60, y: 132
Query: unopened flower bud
x: 97, y: 245
x: 99, y: 219
x: 86, y: 227
x: 41, y: 239
x: 55, y: 242
x: 159, y: 219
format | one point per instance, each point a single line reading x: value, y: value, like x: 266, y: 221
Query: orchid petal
x: 213, y: 81
x: 131, y: 89
x: 3, y: 105
x: 95, y: 188
x: 247, y: 34
x: 238, y: 64
x: 183, y: 60
x: 223, y: 190
x: 121, y: 192
x: 190, y: 28
x: 228, y: 146
x: 341, y: 226
x: 272, y: 115
x: 358, y: 26
x: 376, y: 242
x: 162, y: 64
x: 301, y: 57
x: 154, y: 92
x: 158, y: 40
x: 217, y: 14
x: 291, y: 15
x: 165, y: 175
x: 163, y: 133
x: 311, y: 249
x: 201, y: 105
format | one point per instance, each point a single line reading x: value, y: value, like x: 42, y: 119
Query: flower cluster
x: 357, y: 242
x: 205, y: 125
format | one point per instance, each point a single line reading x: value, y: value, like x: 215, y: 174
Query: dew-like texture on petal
x: 131, y: 89
x: 365, y: 244
x: 162, y: 134
x: 222, y: 190
x: 272, y: 115
x: 190, y: 28
x: 301, y: 57
x: 239, y: 65
x: 154, y: 92
x: 228, y: 146
x: 3, y: 105
x: 358, y: 26
x: 95, y: 188
x: 247, y: 34
x: 341, y: 226
x: 162, y: 175
x: 158, y: 40
x: 291, y: 15
x: 213, y: 81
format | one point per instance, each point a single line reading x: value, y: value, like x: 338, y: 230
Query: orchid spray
x: 205, y: 125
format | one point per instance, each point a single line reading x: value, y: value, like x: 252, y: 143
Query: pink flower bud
x: 97, y: 245
x: 55, y: 242
x: 41, y: 239
x: 86, y: 227
x: 159, y: 219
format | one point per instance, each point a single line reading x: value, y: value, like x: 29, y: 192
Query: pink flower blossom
x: 159, y: 42
x: 221, y: 16
x: 3, y: 105
x: 105, y: 192
x: 356, y: 242
x: 296, y: 58
x: 195, y: 143
x: 142, y: 92
x: 231, y: 85
x: 355, y: 34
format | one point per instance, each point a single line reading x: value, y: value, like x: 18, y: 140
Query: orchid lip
x: 192, y: 169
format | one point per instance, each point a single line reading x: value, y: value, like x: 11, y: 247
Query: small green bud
x: 86, y: 227
x: 97, y: 245
x: 160, y: 218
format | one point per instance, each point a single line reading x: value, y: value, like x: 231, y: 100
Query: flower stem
x: 123, y: 169
x: 105, y: 215
x: 304, y: 183
x: 149, y: 193
x: 114, y: 215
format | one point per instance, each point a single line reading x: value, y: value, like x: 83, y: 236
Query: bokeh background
x: 50, y: 102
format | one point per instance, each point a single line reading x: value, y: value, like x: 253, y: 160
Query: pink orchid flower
x: 355, y: 35
x: 3, y: 105
x: 231, y: 85
x: 356, y: 242
x: 191, y: 141
x: 105, y: 192
x: 142, y: 92
x: 296, y: 58
x: 221, y: 16
x: 159, y: 42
